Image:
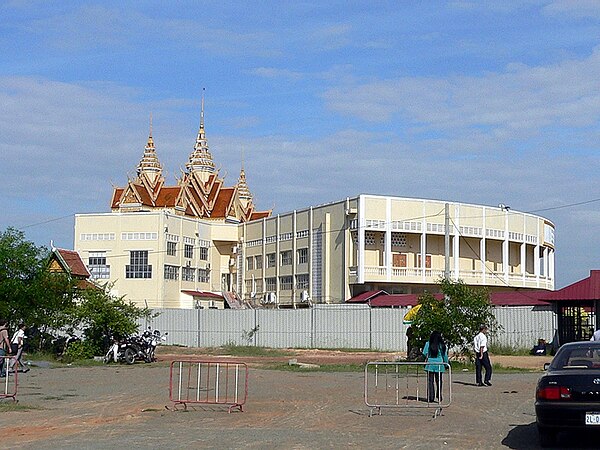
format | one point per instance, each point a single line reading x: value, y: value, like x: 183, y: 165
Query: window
x: 400, y: 260
x: 285, y: 283
x: 203, y: 253
x: 188, y: 251
x: 302, y: 255
x: 187, y: 273
x: 271, y: 260
x: 250, y: 263
x: 138, y: 266
x: 97, y: 265
x: 271, y: 284
x: 302, y: 281
x: 203, y: 276
x: 258, y: 285
x: 172, y: 248
x: 171, y: 272
x: 286, y: 258
x: 258, y: 262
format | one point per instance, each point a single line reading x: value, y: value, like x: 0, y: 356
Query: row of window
x: 285, y: 259
x: 187, y: 274
x: 138, y: 266
x: 188, y: 251
x: 286, y: 283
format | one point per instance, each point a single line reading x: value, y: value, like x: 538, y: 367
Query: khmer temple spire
x: 201, y: 159
x: 149, y: 164
x: 242, y: 186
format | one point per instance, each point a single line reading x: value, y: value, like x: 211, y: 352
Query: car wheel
x: 129, y: 356
x: 547, y: 437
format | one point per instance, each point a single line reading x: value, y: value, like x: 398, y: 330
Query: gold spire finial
x: 202, y: 110
x: 150, y: 134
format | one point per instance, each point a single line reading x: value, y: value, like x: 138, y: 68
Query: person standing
x: 436, y: 355
x: 4, y: 347
x: 16, y: 346
x: 482, y: 359
x: 596, y: 336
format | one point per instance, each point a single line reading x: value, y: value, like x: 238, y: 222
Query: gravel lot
x: 117, y: 406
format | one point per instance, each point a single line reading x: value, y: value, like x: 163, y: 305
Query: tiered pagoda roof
x: 200, y: 192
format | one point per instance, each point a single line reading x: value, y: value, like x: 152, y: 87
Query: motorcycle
x: 151, y: 339
x: 135, y: 348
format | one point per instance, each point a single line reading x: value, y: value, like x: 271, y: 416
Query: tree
x: 457, y: 316
x: 100, y: 315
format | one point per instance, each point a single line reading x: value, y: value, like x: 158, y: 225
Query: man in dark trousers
x: 482, y: 358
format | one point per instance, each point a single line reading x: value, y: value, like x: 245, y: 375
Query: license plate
x: 592, y: 418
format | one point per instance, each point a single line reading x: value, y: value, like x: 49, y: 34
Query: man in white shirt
x: 482, y: 358
x: 596, y: 336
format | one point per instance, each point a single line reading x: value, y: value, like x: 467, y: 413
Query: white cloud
x: 272, y: 72
x: 517, y: 102
x: 573, y: 8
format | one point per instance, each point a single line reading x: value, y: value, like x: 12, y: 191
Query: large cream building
x: 199, y: 243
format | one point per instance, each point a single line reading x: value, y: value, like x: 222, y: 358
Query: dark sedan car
x: 568, y: 394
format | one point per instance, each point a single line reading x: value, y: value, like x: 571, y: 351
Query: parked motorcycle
x: 135, y: 348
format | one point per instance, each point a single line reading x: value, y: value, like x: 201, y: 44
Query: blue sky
x: 472, y: 101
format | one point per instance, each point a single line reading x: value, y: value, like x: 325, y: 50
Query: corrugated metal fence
x: 329, y: 326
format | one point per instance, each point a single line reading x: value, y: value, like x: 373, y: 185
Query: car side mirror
x: 546, y: 365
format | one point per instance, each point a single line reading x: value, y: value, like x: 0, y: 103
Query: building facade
x: 329, y: 253
x: 186, y: 245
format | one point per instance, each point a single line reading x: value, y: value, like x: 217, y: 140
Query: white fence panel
x: 223, y: 327
x: 342, y: 327
x: 387, y: 330
x: 524, y: 325
x: 181, y: 324
x: 285, y: 328
x: 330, y: 326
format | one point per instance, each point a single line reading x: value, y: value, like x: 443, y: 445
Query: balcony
x: 472, y: 277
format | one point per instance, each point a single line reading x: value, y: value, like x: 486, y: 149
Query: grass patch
x: 9, y: 405
x: 508, y: 350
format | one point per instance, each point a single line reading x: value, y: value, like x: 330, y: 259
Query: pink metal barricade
x: 10, y: 383
x: 206, y: 382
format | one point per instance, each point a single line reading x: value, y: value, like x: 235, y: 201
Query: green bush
x: 79, y: 350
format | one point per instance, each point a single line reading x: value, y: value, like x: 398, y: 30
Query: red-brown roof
x: 72, y: 260
x: 381, y: 299
x: 222, y: 203
x: 167, y: 196
x: 259, y: 215
x: 586, y: 289
x: 116, y: 197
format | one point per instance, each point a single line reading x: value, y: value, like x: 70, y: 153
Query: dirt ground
x: 118, y: 406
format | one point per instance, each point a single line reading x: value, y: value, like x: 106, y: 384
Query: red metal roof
x: 365, y: 296
x: 204, y: 294
x: 381, y: 299
x: 586, y: 289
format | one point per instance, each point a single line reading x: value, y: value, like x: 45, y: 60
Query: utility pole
x: 447, y: 241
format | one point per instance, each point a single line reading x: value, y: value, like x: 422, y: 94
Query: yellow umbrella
x: 411, y: 314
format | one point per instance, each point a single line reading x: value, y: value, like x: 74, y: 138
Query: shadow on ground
x: 525, y: 437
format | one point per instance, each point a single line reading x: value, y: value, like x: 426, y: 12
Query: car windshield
x: 580, y: 357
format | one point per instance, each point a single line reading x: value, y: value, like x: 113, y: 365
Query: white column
x: 388, y: 239
x: 505, y: 248
x: 482, y: 248
x: 423, y: 243
x: 536, y: 262
x: 456, y: 243
x: 361, y: 240
x: 546, y: 262
x: 523, y: 259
